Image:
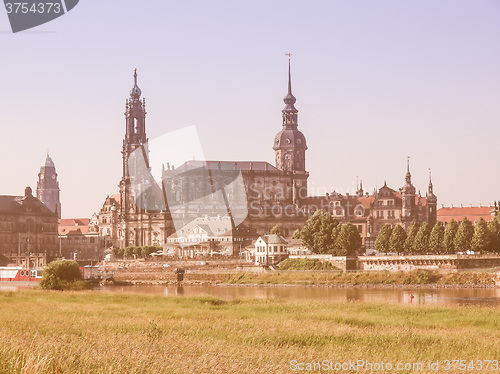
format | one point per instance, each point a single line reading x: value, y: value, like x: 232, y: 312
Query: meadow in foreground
x: 91, y: 332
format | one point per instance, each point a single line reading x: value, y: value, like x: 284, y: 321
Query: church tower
x: 431, y: 203
x: 290, y: 144
x: 135, y: 137
x: 47, y: 187
x: 290, y: 147
x: 408, y: 195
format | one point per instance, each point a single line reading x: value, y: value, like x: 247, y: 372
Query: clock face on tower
x: 53, y: 176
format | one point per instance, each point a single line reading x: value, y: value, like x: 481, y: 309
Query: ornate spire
x: 431, y: 187
x: 136, y: 92
x: 408, y: 174
x: 289, y: 99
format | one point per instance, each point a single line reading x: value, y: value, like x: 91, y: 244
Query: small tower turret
x: 431, y: 203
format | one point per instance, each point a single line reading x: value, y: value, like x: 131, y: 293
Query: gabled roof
x: 23, y: 205
x: 459, y: 213
x: 273, y: 239
x: 228, y: 165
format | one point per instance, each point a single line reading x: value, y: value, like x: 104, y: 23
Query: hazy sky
x: 375, y: 81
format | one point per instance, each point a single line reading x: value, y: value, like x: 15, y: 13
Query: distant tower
x: 47, y: 187
x: 409, y: 209
x: 290, y: 144
x: 135, y: 137
x: 431, y: 203
x: 290, y: 147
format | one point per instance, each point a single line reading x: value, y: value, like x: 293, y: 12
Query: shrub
x: 305, y: 264
x: 63, y: 275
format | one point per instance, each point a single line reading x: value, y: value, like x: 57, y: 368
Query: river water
x: 442, y: 296
x: 429, y: 296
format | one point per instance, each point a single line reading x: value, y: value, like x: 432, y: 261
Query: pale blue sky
x: 375, y: 81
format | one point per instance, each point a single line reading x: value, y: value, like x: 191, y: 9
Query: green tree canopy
x: 481, y: 238
x: 383, y: 238
x: 449, y: 236
x: 436, y: 240
x: 296, y: 234
x: 348, y: 240
x: 421, y: 244
x: 463, y: 239
x: 411, y: 234
x: 397, y: 240
x: 276, y: 230
x: 317, y: 234
x: 494, y: 231
x: 62, y: 275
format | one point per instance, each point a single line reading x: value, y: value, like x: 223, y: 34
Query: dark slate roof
x: 274, y: 239
x: 229, y: 165
x: 23, y: 205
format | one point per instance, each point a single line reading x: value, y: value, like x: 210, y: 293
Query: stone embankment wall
x: 408, y: 263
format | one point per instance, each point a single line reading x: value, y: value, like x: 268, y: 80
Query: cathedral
x: 254, y: 194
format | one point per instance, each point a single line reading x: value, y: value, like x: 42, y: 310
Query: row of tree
x: 420, y: 239
x: 130, y: 252
x: 325, y: 235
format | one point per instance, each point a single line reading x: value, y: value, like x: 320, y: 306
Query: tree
x: 383, y: 237
x: 436, y: 240
x: 449, y: 236
x: 494, y: 231
x: 276, y: 230
x: 421, y: 244
x: 137, y: 251
x: 481, y: 238
x: 62, y: 275
x: 317, y: 233
x: 411, y: 234
x: 348, y: 240
x: 463, y: 239
x: 397, y: 240
x: 128, y: 252
x: 296, y: 234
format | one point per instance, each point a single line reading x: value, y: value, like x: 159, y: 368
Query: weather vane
x: 289, y: 55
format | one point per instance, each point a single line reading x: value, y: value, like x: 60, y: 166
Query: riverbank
x: 85, y: 332
x: 413, y: 279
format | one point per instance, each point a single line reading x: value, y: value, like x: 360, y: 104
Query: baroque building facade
x: 47, y: 187
x: 254, y: 194
x: 27, y: 227
x: 369, y: 212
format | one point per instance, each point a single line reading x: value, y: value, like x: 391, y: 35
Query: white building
x: 270, y: 249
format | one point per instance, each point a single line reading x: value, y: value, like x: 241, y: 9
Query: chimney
x: 461, y: 205
x: 28, y: 192
x: 480, y: 205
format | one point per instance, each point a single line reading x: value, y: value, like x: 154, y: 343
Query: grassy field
x: 419, y: 277
x: 328, y: 278
x: 89, y: 332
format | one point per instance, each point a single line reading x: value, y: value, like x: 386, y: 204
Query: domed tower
x: 431, y: 203
x: 47, y: 187
x: 290, y: 144
x: 290, y: 147
x: 408, y: 195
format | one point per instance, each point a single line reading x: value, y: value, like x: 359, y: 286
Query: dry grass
x: 86, y: 332
x: 422, y: 277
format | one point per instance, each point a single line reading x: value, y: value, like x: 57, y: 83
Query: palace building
x: 27, y: 227
x: 369, y: 212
